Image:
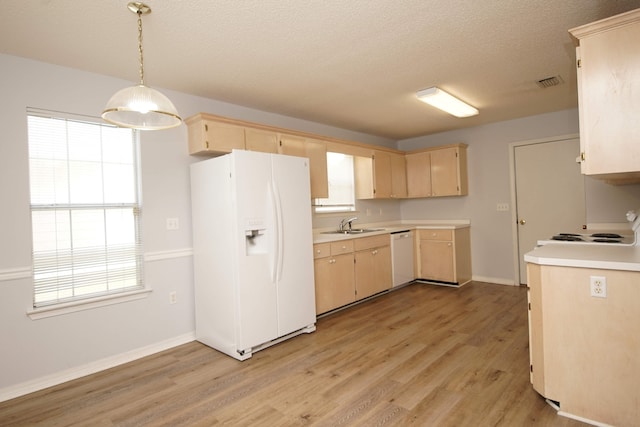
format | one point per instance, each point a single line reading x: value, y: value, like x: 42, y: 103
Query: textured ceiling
x: 351, y: 64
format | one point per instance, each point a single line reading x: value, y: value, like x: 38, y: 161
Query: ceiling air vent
x: 550, y: 81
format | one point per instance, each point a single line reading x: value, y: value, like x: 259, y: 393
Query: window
x: 85, y: 208
x: 341, y: 187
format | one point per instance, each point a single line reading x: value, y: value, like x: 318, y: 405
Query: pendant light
x: 140, y: 107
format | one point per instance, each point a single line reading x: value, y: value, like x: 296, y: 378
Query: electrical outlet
x: 598, y: 286
x: 502, y: 207
x: 173, y: 297
x: 173, y: 224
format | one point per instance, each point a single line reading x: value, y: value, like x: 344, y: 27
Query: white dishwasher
x: 402, y: 256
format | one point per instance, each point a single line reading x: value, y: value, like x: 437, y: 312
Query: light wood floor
x: 422, y: 355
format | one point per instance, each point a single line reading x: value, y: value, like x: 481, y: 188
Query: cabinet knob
x: 522, y: 222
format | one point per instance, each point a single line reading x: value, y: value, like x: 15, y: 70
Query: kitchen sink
x: 354, y: 231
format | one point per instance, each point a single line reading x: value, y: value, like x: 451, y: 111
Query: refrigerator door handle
x: 274, y: 228
x: 278, y: 232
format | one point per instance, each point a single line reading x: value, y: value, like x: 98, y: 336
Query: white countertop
x: 386, y: 228
x: 607, y: 257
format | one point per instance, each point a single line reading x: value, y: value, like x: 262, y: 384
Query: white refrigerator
x: 252, y: 251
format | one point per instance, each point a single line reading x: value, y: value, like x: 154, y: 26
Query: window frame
x: 133, y: 285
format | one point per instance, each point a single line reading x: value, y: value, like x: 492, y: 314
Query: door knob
x: 522, y: 222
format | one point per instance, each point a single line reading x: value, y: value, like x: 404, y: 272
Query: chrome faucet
x: 346, y: 221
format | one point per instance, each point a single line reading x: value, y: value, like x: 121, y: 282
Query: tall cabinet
x: 608, y: 68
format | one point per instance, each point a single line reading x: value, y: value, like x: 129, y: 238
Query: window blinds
x: 85, y: 208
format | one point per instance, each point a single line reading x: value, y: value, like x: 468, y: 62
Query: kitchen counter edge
x: 626, y: 258
x: 320, y: 237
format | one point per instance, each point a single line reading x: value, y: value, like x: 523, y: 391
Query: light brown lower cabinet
x: 334, y: 275
x: 373, y: 265
x: 444, y: 255
x: 584, y: 349
x: 350, y: 270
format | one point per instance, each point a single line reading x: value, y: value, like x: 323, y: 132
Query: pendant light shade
x: 141, y: 107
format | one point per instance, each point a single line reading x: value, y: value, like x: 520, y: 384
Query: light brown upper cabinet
x: 437, y: 172
x: 316, y: 152
x: 608, y: 69
x: 381, y: 176
x: 379, y: 173
x: 261, y: 140
x: 213, y: 137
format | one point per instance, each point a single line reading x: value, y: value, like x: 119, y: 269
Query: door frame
x: 514, y: 206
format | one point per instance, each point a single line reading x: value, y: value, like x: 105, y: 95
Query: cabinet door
x: 382, y: 268
x: 316, y: 151
x: 334, y: 282
x: 373, y: 271
x: 609, y: 89
x: 398, y: 176
x: 206, y: 136
x: 444, y: 172
x: 260, y: 140
x: 382, y: 175
x: 292, y: 145
x: 418, y: 174
x: 536, y: 355
x: 436, y: 260
x: 373, y: 176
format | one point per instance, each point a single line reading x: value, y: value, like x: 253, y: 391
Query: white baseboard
x: 496, y: 280
x: 91, y: 368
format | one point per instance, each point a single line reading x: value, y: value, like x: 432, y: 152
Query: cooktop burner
x: 568, y: 238
x: 607, y: 238
x: 607, y: 235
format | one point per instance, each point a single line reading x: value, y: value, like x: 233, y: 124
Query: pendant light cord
x: 139, y: 13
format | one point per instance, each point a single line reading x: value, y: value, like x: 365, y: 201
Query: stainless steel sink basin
x: 353, y: 231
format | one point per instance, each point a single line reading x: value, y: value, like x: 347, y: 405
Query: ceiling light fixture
x: 446, y: 102
x: 140, y: 107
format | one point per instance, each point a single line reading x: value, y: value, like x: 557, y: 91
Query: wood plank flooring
x: 422, y: 355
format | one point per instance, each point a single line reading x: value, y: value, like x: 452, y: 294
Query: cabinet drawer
x: 341, y: 247
x: 371, y: 242
x: 321, y: 250
x: 436, y: 234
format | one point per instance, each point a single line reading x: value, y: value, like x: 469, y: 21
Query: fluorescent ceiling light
x: 446, y: 102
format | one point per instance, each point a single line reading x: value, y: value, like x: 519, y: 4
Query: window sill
x: 75, y: 306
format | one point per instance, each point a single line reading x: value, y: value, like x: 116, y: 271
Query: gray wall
x: 38, y: 353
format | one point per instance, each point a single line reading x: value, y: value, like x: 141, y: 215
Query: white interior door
x: 549, y: 192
